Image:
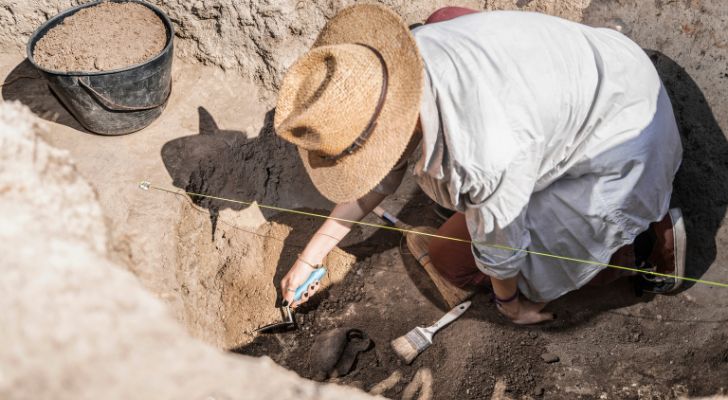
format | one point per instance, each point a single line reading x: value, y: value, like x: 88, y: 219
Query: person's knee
x: 446, y: 258
x: 435, y: 250
x: 448, y: 13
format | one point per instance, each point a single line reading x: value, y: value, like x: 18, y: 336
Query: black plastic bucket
x: 113, y: 102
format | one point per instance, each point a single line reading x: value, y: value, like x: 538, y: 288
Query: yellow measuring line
x: 145, y: 185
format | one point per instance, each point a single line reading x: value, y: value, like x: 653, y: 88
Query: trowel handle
x: 316, y: 275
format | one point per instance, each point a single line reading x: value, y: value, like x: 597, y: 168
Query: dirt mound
x: 101, y: 38
x: 66, y: 208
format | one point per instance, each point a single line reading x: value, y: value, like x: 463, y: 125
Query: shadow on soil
x: 701, y: 185
x: 25, y: 84
x: 212, y: 163
x: 228, y: 164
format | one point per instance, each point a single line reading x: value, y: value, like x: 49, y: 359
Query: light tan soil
x: 102, y: 38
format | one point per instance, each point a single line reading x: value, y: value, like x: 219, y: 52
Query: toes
x: 547, y: 316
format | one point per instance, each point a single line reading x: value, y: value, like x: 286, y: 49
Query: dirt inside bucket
x: 101, y: 38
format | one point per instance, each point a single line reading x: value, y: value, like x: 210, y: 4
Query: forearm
x: 322, y: 242
x: 333, y: 230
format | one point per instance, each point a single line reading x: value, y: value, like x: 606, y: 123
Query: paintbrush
x: 417, y: 340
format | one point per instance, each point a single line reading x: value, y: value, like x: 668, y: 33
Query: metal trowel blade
x: 287, y: 324
x: 279, y: 327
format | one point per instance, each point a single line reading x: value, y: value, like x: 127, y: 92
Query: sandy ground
x: 610, y: 342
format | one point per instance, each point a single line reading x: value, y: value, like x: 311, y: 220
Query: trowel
x: 288, y: 323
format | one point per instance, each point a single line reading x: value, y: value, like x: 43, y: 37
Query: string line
x: 145, y: 185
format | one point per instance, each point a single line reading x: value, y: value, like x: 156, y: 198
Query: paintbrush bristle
x: 410, y: 345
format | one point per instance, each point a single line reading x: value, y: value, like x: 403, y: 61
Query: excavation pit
x: 216, y: 264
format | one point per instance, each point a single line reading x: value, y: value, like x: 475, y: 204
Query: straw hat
x: 351, y: 103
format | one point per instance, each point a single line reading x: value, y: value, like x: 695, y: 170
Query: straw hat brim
x: 355, y: 175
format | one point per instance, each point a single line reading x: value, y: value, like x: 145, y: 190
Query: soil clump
x: 101, y: 38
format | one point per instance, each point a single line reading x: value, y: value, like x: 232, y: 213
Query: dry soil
x: 101, y: 38
x: 610, y: 342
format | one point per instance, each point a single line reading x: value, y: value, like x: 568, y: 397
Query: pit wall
x: 77, y: 326
x: 259, y: 38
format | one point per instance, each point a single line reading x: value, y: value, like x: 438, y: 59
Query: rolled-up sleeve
x: 499, y: 252
x: 496, y: 213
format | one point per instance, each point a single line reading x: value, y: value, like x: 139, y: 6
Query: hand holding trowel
x: 287, y: 321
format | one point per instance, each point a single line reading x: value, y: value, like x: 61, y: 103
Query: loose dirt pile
x: 101, y: 38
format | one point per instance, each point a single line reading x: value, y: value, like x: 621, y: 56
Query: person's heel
x: 668, y: 256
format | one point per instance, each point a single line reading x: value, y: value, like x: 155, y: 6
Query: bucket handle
x: 86, y: 84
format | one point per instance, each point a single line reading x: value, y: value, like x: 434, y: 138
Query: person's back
x: 523, y: 80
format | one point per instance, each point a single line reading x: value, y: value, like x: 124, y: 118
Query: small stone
x: 533, y: 335
x: 550, y: 358
x: 539, y: 391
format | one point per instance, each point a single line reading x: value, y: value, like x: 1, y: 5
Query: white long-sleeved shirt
x: 549, y: 135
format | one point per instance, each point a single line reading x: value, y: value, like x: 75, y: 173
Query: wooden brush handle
x: 454, y: 314
x: 389, y: 218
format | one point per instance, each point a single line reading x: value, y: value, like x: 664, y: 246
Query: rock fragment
x: 550, y: 358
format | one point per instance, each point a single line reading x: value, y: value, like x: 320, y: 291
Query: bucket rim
x: 70, y: 11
